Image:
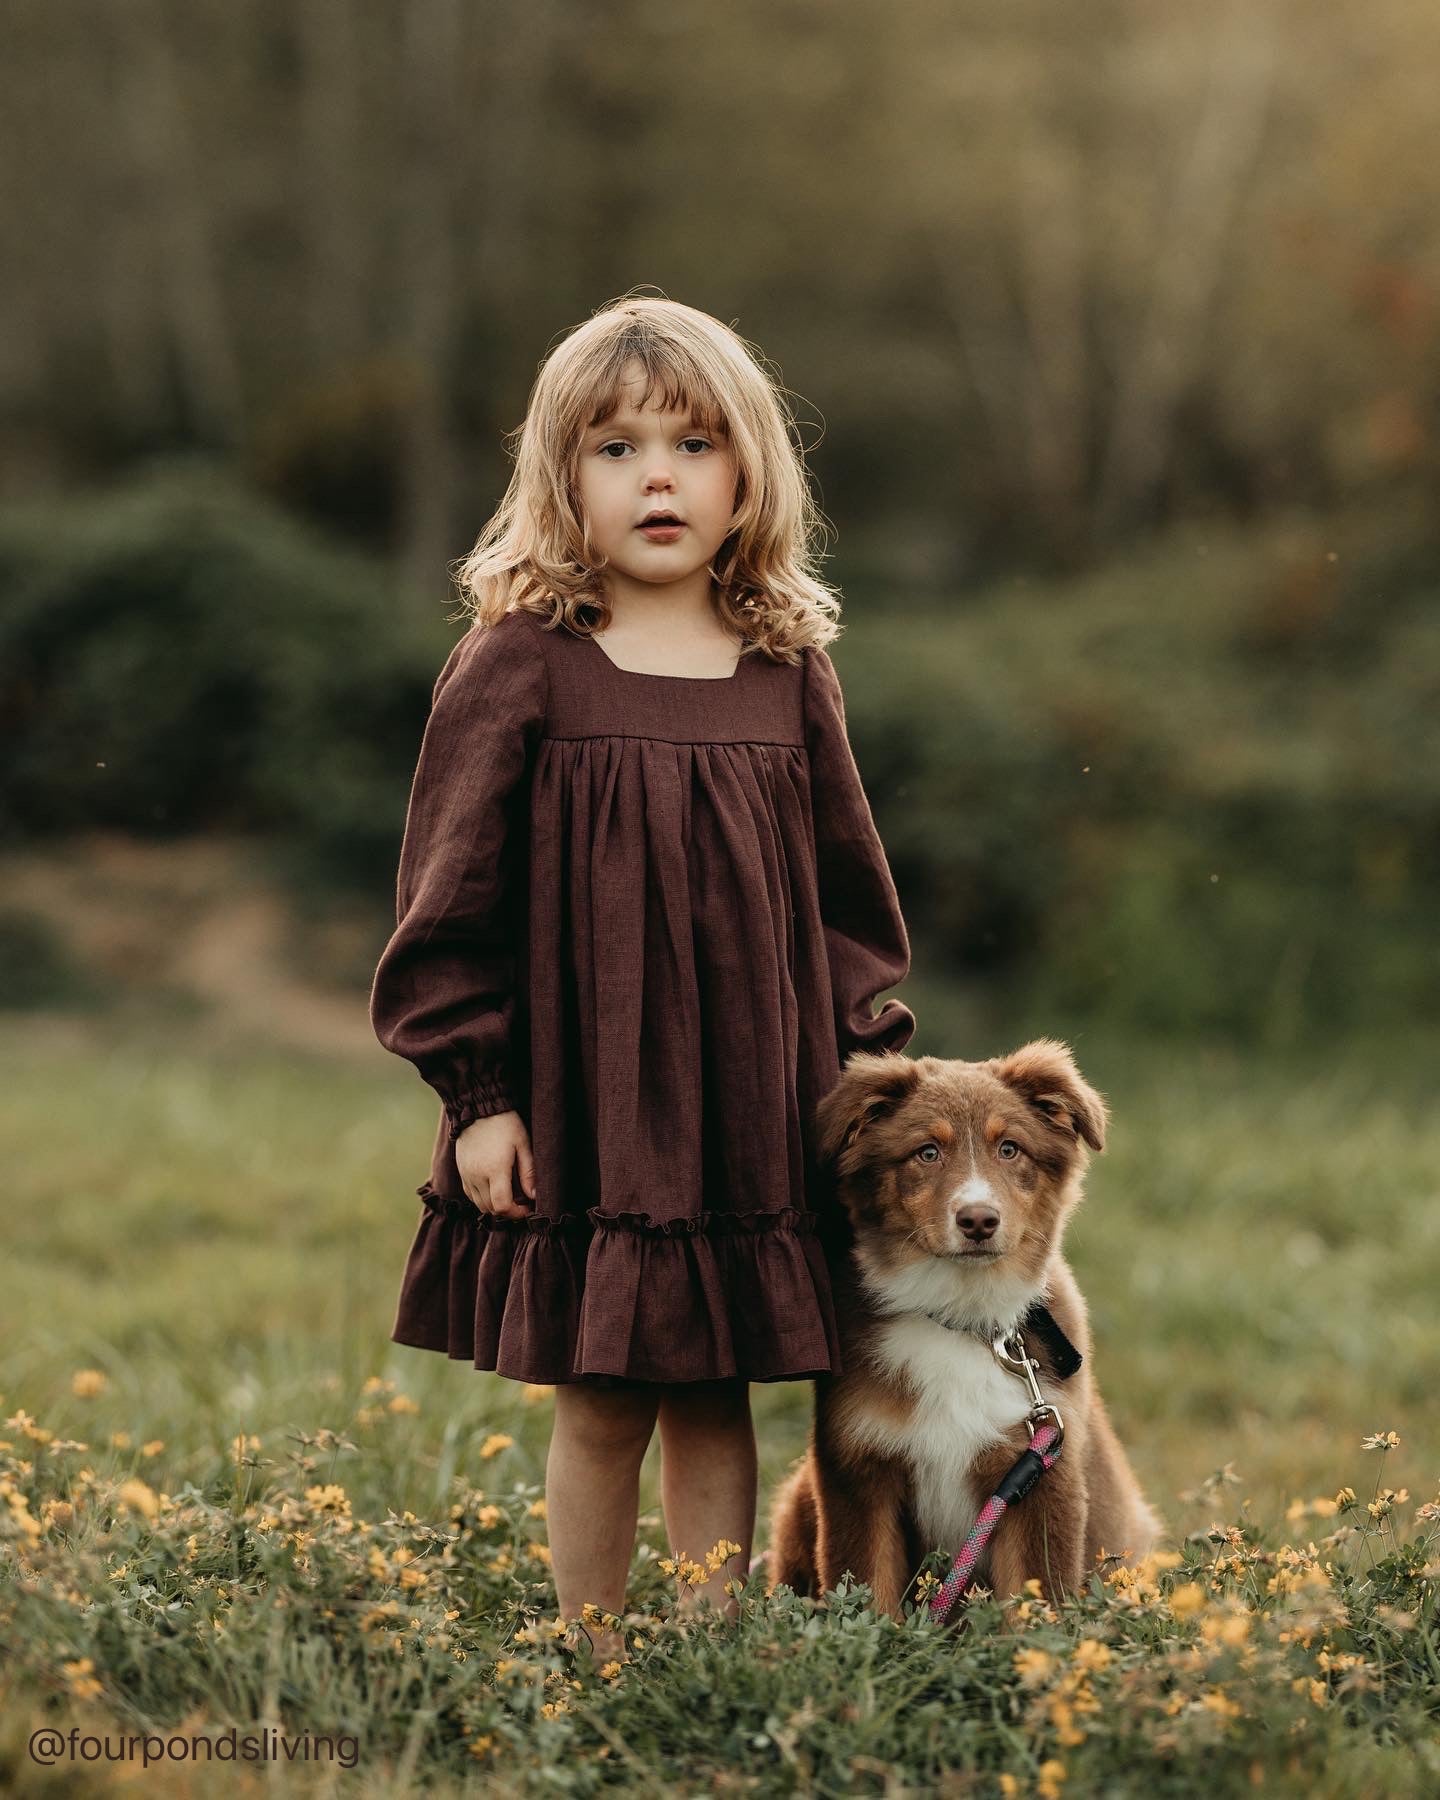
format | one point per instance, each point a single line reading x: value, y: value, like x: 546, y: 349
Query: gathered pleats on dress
x: 682, y: 999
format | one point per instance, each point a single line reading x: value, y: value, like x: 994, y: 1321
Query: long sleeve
x: 865, y: 938
x: 444, y: 992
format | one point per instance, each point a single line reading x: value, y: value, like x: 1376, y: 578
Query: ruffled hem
x: 552, y: 1300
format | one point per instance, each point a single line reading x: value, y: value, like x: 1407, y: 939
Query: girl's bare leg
x: 708, y: 1473
x: 592, y: 1497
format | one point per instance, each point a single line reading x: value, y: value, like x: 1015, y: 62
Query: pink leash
x: 1032, y: 1464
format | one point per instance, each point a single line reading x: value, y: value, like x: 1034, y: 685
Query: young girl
x: 643, y: 914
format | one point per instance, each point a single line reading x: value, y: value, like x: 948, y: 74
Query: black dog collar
x: 1065, y: 1358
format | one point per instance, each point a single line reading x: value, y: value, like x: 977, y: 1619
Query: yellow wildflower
x: 495, y: 1443
x: 1381, y: 1440
x: 1033, y: 1666
x: 86, y: 1383
x: 1190, y: 1598
x: 329, y: 1498
x: 1091, y: 1654
x: 140, y: 1496
x: 80, y: 1679
x: 1230, y: 1629
x: 1220, y: 1703
x: 1067, y: 1733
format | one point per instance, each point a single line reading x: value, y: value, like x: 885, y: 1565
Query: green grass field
x: 219, y: 1230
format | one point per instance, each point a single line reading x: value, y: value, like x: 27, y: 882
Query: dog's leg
x: 793, y: 1531
x: 1042, y: 1536
x: 861, y: 1530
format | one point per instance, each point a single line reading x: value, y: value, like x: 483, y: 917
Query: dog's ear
x: 1043, y: 1072
x: 871, y: 1086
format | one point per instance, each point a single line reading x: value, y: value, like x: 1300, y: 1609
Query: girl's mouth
x: 663, y: 531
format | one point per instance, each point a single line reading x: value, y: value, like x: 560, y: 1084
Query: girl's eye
x: 1009, y: 1149
x: 927, y: 1153
x: 621, y: 446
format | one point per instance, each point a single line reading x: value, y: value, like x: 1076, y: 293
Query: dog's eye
x: 1009, y: 1149
x: 927, y: 1152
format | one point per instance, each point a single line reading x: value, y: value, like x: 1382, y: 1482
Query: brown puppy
x: 957, y: 1179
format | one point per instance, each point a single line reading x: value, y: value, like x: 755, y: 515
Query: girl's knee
x: 607, y: 1419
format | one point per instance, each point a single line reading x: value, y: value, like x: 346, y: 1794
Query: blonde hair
x: 536, y: 553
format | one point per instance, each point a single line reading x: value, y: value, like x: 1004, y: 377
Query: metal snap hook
x: 1009, y: 1348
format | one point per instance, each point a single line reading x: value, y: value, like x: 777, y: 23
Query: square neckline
x: 649, y: 675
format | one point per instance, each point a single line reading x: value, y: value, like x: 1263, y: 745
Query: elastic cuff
x: 492, y: 1096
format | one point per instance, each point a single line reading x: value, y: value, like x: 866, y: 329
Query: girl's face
x: 637, y: 463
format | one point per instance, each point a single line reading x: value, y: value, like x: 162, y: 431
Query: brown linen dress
x: 649, y: 913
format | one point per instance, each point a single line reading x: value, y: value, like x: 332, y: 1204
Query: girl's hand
x: 484, y: 1154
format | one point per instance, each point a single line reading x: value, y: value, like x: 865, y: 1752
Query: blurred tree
x: 1043, y: 277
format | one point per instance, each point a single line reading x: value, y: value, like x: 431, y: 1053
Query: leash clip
x: 1046, y: 1411
x: 1010, y: 1352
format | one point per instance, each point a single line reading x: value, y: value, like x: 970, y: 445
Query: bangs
x: 669, y: 373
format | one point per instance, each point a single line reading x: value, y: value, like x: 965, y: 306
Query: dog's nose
x: 977, y: 1222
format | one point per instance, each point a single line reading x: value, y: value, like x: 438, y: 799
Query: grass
x: 271, y: 1513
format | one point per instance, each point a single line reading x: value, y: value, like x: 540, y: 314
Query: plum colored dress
x: 650, y: 914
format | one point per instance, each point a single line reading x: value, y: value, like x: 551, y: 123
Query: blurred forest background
x: 1116, y: 342
x: 1115, y: 336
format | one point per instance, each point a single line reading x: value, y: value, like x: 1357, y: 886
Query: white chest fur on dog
x: 966, y: 1402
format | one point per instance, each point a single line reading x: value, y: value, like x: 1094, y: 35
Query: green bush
x: 1200, y: 792
x: 180, y: 657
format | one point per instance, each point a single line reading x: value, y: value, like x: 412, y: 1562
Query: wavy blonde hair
x: 536, y: 551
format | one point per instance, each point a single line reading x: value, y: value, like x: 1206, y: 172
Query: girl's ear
x: 871, y: 1087
x: 1043, y: 1073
